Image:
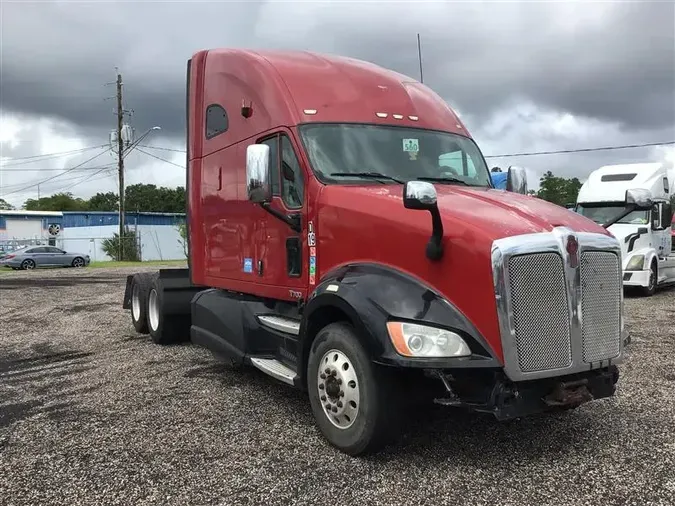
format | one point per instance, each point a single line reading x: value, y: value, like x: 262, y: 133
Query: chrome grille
x: 540, y: 311
x: 601, y: 305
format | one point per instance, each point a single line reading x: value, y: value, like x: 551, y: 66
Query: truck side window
x: 273, y: 143
x: 455, y: 161
x: 216, y: 121
x: 292, y: 182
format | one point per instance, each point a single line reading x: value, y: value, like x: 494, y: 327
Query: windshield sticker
x: 412, y: 147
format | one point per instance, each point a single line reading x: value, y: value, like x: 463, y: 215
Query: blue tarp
x: 499, y: 179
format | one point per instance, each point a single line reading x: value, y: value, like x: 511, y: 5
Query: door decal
x: 311, y: 241
x: 248, y: 265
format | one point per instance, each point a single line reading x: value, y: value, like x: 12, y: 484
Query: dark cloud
x: 611, y: 61
x: 525, y: 76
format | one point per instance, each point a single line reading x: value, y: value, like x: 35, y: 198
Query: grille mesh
x: 540, y: 311
x: 601, y: 305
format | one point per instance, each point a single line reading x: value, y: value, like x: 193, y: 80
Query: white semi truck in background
x: 647, y: 250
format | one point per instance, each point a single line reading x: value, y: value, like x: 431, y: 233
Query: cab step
x: 280, y: 323
x: 276, y: 369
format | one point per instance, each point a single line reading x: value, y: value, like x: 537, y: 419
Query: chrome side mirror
x: 639, y: 198
x: 419, y: 195
x: 422, y: 195
x: 258, y: 185
x: 516, y: 180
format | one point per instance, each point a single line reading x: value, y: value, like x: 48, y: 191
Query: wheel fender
x: 370, y: 295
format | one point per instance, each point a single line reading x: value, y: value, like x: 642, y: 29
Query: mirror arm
x: 292, y: 220
x: 435, y: 246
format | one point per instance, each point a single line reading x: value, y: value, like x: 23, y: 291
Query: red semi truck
x: 346, y: 239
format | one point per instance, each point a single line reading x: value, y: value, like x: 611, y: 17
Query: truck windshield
x: 602, y: 214
x: 396, y: 154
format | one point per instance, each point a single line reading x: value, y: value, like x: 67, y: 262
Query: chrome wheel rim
x: 153, y: 310
x: 338, y: 388
x: 135, y: 303
x: 78, y: 262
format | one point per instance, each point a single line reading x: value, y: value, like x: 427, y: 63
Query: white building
x: 85, y: 231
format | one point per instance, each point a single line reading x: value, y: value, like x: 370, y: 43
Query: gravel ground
x: 92, y: 413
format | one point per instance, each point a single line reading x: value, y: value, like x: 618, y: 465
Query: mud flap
x: 126, y: 302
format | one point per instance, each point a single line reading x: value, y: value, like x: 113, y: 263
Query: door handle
x: 220, y: 178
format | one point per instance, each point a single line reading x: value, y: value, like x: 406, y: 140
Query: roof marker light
x: 414, y: 118
x: 309, y: 111
x: 381, y: 114
x: 398, y: 116
x: 458, y: 125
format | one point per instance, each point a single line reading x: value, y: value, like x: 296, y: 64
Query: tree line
x: 138, y: 197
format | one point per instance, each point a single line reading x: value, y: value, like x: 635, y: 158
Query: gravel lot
x: 92, y: 413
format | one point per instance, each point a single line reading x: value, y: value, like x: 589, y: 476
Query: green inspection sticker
x: 411, y: 145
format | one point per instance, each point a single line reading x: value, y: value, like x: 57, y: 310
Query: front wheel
x: 78, y: 262
x: 349, y: 396
x: 650, y: 289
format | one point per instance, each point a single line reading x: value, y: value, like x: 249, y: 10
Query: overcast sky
x: 530, y: 76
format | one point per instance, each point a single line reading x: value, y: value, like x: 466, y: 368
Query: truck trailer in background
x: 645, y: 235
x: 346, y: 238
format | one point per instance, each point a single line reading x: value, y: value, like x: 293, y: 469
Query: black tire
x: 28, y: 264
x: 163, y: 330
x: 650, y: 289
x: 376, y: 420
x: 140, y: 285
x: 77, y: 262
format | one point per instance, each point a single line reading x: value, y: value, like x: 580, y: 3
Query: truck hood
x: 368, y: 224
x: 489, y: 212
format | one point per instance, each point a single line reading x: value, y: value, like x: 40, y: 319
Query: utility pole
x: 120, y: 160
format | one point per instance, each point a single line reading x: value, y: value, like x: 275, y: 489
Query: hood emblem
x: 573, y: 251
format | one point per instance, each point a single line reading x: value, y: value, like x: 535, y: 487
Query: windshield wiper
x: 368, y: 175
x: 443, y: 180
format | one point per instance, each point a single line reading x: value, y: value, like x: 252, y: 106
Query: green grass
x: 96, y: 265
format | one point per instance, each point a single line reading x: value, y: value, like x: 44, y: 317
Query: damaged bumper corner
x: 508, y: 400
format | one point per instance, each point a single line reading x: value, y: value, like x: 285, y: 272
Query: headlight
x: 413, y: 340
x: 636, y: 263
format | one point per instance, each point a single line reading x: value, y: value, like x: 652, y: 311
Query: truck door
x: 281, y: 248
x: 661, y: 217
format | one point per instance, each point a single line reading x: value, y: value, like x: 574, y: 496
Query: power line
x: 159, y: 158
x: 583, y: 150
x: 531, y: 153
x: 162, y: 148
x: 39, y: 158
x: 86, y: 169
x: 57, y: 175
x: 43, y: 169
x: 87, y: 177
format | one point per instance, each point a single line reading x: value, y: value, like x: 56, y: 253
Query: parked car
x: 43, y: 256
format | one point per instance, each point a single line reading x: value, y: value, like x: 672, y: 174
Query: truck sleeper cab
x: 345, y: 238
x: 645, y: 235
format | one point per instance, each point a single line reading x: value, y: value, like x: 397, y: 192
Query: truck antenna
x: 419, y: 57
